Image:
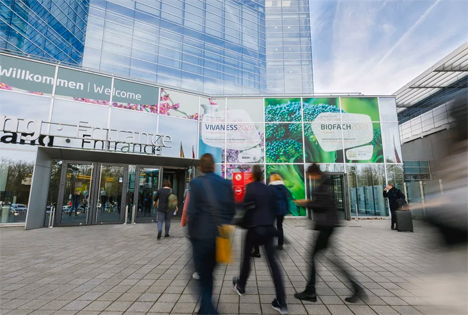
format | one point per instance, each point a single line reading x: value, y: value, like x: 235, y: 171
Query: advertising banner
x: 239, y: 181
x: 334, y: 135
x: 293, y: 177
x: 283, y: 110
x: 176, y: 104
x: 363, y: 139
x: 240, y: 140
x: 284, y: 143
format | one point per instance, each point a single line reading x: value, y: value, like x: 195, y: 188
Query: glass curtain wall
x: 288, y: 47
x: 48, y: 29
x: 215, y: 47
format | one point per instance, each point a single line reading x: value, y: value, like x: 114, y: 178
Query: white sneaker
x: 196, y: 276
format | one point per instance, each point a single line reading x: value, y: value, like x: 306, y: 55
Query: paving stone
x: 384, y: 310
x: 339, y: 310
x: 184, y: 308
x: 162, y: 307
x: 140, y: 307
x: 317, y: 309
x: 118, y: 306
x: 362, y: 310
x: 128, y: 272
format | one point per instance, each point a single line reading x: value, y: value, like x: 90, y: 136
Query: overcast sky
x: 376, y: 47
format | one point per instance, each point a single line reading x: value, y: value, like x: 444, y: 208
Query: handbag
x: 225, y: 231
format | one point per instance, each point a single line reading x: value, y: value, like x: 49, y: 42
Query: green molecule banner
x: 323, y: 110
x: 361, y: 130
x: 283, y: 110
x: 283, y: 143
x: 350, y: 132
x: 293, y: 177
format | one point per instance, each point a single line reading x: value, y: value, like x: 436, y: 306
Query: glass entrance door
x: 338, y: 195
x: 110, y: 199
x: 74, y: 202
x: 91, y: 193
x: 147, y: 187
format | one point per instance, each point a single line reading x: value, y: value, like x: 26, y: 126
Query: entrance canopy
x: 117, y: 158
x: 43, y: 164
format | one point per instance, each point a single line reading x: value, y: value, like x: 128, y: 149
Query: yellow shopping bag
x: 223, y: 244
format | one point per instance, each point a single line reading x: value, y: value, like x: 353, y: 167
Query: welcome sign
x: 42, y: 78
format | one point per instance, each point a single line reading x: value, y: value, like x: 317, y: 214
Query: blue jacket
x: 201, y: 222
x: 282, y: 194
x: 264, y: 212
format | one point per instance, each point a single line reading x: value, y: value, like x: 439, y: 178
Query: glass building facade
x: 47, y: 29
x: 288, y: 47
x: 230, y: 47
x: 215, y: 47
x: 55, y: 107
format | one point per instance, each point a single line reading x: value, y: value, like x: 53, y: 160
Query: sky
x: 376, y: 47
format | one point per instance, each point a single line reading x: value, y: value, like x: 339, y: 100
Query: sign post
x: 239, y: 181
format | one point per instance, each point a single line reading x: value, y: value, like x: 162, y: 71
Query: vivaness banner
x: 350, y: 132
x: 239, y: 140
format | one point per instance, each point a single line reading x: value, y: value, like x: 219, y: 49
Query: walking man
x: 326, y: 219
x: 260, y: 232
x: 211, y: 203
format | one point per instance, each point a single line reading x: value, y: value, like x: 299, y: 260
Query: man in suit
x: 211, y: 204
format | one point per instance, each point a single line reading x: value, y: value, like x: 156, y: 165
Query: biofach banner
x: 350, y: 133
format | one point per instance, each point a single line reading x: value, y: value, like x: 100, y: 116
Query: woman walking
x: 164, y: 214
x: 260, y: 219
x: 282, y: 207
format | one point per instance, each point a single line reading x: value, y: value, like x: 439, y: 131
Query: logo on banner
x: 333, y: 135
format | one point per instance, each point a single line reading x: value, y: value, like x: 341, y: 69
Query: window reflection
x: 366, y: 183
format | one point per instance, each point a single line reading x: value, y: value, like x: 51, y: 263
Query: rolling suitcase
x: 404, y: 221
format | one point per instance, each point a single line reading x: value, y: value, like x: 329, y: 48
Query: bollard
x: 133, y: 214
x: 126, y: 214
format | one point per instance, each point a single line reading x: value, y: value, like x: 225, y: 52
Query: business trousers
x: 393, y: 212
x: 321, y: 243
x: 262, y: 235
x: 204, y: 254
x: 279, y: 228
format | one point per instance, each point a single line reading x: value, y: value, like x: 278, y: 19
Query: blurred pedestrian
x: 183, y: 222
x: 282, y: 206
x: 326, y: 220
x: 164, y: 215
x: 259, y: 220
x: 396, y: 200
x: 211, y: 203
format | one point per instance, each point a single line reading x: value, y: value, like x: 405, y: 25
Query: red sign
x: 239, y: 181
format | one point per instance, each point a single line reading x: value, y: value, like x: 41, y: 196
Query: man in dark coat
x: 211, y: 204
x: 326, y: 219
x: 260, y: 220
x: 395, y: 198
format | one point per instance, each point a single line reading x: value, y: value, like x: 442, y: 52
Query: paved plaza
x: 122, y: 269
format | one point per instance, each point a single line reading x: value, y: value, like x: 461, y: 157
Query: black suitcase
x: 404, y: 221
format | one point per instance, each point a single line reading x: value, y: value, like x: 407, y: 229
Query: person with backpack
x: 396, y: 200
x: 167, y: 205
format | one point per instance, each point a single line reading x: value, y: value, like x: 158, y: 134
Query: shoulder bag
x: 223, y: 240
